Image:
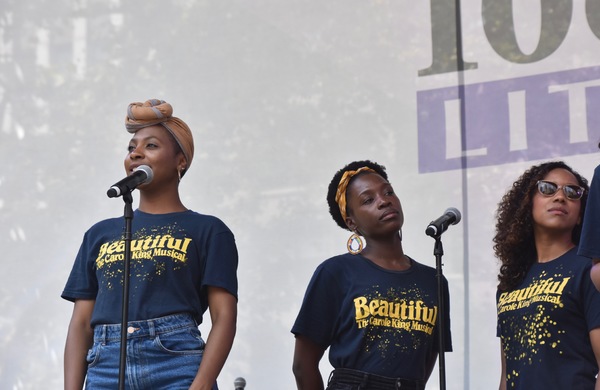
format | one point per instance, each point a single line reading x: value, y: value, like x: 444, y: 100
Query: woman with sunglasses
x: 375, y: 308
x: 182, y: 264
x: 548, y: 309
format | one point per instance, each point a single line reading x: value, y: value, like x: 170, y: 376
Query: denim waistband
x: 369, y: 381
x: 145, y: 328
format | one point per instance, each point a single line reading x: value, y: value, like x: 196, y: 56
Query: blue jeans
x: 348, y: 379
x: 162, y: 353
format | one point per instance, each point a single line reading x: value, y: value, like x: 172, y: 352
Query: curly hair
x: 514, y: 243
x: 334, y: 208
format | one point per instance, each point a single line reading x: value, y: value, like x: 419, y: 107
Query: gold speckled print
x: 527, y: 322
x: 544, y: 325
x: 390, y: 320
x: 153, y: 251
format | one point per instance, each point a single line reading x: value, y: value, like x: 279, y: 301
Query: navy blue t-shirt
x: 174, y: 257
x: 372, y: 319
x: 589, y: 244
x: 544, y: 326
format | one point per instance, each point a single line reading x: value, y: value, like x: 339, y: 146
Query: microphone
x: 239, y: 383
x: 436, y: 228
x: 142, y: 174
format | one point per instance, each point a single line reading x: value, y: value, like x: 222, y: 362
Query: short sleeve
x: 319, y: 313
x: 82, y: 282
x: 589, y: 243
x: 222, y: 262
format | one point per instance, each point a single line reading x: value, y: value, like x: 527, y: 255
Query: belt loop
x: 398, y: 383
x: 330, y: 376
x: 364, y: 382
x: 103, y: 334
x: 151, y: 328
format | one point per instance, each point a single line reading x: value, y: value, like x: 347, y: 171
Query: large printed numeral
x: 446, y: 56
x: 500, y: 29
x: 592, y: 11
x: 498, y: 24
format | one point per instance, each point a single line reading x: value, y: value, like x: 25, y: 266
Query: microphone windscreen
x: 147, y: 170
x: 455, y: 212
x: 239, y: 383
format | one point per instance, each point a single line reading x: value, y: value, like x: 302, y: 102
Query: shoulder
x: 106, y: 224
x: 574, y: 260
x: 102, y: 232
x: 426, y: 276
x: 190, y: 220
x: 206, y: 219
x: 351, y: 262
x: 342, y: 262
x: 209, y: 220
x: 341, y: 267
x: 334, y: 275
x: 422, y: 268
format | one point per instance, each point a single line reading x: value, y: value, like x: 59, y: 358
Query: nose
x: 383, y: 202
x: 135, y: 153
x: 559, y: 196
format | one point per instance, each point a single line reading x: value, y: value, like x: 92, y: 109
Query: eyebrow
x: 558, y: 184
x: 150, y: 137
x: 368, y: 190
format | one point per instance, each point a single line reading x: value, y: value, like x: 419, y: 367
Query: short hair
x: 334, y: 208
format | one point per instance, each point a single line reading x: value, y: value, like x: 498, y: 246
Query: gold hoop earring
x: 355, y: 244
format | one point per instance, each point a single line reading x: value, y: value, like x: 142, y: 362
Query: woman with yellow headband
x: 375, y: 308
x: 182, y: 263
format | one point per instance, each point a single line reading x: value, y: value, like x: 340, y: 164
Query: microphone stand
x: 438, y: 251
x: 128, y: 215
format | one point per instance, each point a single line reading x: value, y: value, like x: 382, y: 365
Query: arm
x: 595, y: 340
x: 503, y: 373
x: 595, y: 273
x: 223, y: 313
x: 79, y: 340
x: 307, y: 355
x: 430, y: 365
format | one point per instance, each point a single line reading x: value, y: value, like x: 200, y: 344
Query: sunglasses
x: 571, y: 191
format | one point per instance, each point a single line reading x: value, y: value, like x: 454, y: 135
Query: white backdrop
x: 281, y: 94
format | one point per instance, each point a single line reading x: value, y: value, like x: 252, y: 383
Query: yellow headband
x: 340, y: 195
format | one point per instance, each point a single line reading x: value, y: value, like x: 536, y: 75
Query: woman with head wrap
x: 548, y: 309
x: 182, y: 263
x: 375, y: 308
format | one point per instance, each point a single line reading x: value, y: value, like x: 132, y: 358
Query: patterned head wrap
x: 158, y: 112
x: 340, y: 195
